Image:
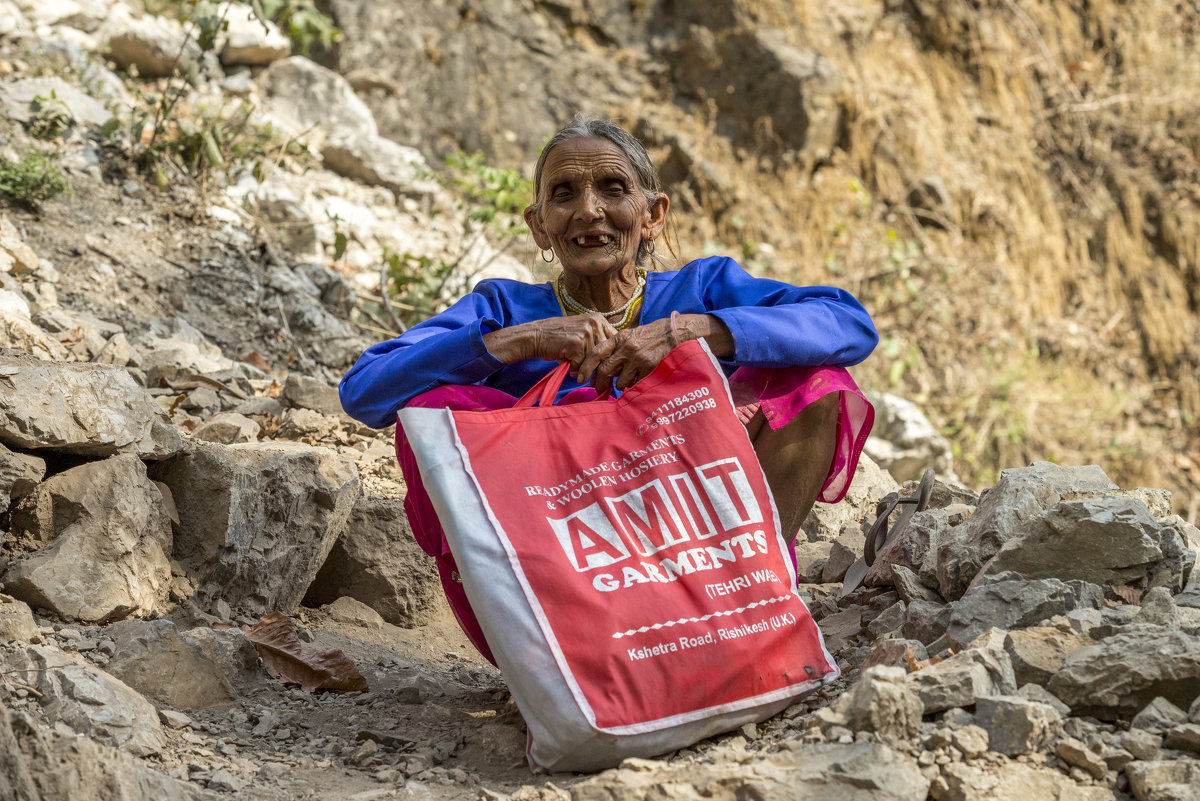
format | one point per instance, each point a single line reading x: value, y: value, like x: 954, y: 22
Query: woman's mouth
x: 592, y: 240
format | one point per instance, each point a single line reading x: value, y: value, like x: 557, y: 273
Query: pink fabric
x: 781, y: 393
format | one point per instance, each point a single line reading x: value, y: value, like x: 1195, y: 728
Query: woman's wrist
x: 708, y: 327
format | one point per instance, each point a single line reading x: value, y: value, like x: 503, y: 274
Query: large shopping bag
x: 624, y: 559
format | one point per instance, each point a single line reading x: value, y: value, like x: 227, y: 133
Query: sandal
x: 880, y: 533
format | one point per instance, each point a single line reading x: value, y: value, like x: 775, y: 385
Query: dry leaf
x: 275, y: 638
x: 1129, y: 595
x: 256, y: 359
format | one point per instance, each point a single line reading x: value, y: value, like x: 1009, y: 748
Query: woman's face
x: 592, y: 212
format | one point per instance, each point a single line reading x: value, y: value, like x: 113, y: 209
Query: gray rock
x: 20, y: 99
x: 1075, y: 753
x: 355, y: 613
x: 914, y: 548
x: 882, y: 702
x: 227, y: 428
x: 1013, y: 603
x: 854, y: 512
x: 910, y: 587
x: 303, y: 392
x: 378, y: 562
x: 1016, y: 725
x: 1119, y: 676
x: 250, y: 41
x: 1194, y: 712
x: 16, y: 620
x: 307, y: 96
x: 377, y: 161
x: 1158, y: 609
x: 810, y: 561
x: 88, y: 700
x: 37, y: 763
x: 1021, y: 497
x: 186, y: 670
x: 1172, y: 780
x: 1038, y: 653
x: 963, y: 678
x: 155, y: 45
x: 1009, y: 781
x: 840, y: 627
x: 1105, y: 541
x: 19, y: 474
x: 1159, y: 714
x: 894, y: 653
x: 1036, y: 692
x: 844, y: 551
x: 258, y: 520
x: 1184, y: 737
x: 926, y: 621
x: 904, y: 442
x: 797, y: 772
x: 85, y: 409
x: 109, y: 542
x: 887, y: 621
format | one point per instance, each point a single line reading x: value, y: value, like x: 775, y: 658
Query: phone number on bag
x: 678, y: 408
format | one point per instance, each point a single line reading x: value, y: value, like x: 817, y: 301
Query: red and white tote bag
x: 624, y: 559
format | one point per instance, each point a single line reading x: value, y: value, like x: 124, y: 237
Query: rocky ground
x: 175, y: 466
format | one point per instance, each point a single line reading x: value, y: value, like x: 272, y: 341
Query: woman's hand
x: 568, y: 339
x: 627, y: 356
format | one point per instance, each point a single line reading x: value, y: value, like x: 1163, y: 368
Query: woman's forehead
x: 585, y: 155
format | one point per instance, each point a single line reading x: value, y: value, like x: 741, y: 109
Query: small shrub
x: 32, y: 180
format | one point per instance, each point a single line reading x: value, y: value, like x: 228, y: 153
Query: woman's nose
x: 589, y: 206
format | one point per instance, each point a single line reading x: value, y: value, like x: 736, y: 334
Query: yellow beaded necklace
x: 629, y: 312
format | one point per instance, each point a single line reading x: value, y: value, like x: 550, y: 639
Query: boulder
x: 1164, y: 780
x: 925, y: 621
x: 256, y: 521
x: 1116, y: 678
x: 378, y: 562
x: 227, y: 428
x: 376, y: 161
x: 1109, y: 541
x: 173, y: 349
x: 15, y: 256
x: 904, y: 442
x: 184, y: 669
x: 797, y: 772
x: 24, y: 99
x: 249, y: 41
x: 85, y: 409
x: 883, y: 703
x: 843, y: 552
x: 963, y: 678
x: 40, y: 764
x: 1158, y: 714
x: 109, y: 543
x: 1011, y: 603
x: 157, y: 47
x: 305, y: 96
x: 1039, y: 652
x: 302, y: 392
x: 18, y: 333
x: 88, y: 700
x: 1016, y: 725
x: 810, y: 561
x: 16, y: 620
x: 1009, y: 781
x: 1006, y: 510
x: 19, y: 474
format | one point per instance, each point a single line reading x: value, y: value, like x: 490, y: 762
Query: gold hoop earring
x: 542, y: 253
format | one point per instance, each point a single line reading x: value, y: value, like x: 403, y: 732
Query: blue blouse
x: 774, y: 324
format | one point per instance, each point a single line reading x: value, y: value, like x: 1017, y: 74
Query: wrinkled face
x: 592, y: 211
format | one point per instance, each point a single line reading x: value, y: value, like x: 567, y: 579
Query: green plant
x: 491, y: 195
x: 302, y: 21
x: 32, y: 180
x: 50, y: 117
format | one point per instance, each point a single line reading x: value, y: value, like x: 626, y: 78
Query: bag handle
x: 546, y: 389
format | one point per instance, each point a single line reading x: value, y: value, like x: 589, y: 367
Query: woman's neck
x: 603, y: 292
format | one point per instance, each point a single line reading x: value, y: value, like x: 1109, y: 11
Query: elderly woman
x: 599, y: 208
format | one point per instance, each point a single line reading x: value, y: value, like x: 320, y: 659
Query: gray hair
x: 583, y: 127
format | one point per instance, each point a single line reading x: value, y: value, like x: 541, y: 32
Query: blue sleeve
x: 444, y: 349
x: 775, y: 324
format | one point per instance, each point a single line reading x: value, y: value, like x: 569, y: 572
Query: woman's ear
x: 535, y: 226
x: 656, y: 217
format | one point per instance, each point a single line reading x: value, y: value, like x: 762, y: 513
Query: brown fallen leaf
x: 277, y: 642
x: 256, y: 359
x: 1130, y: 595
